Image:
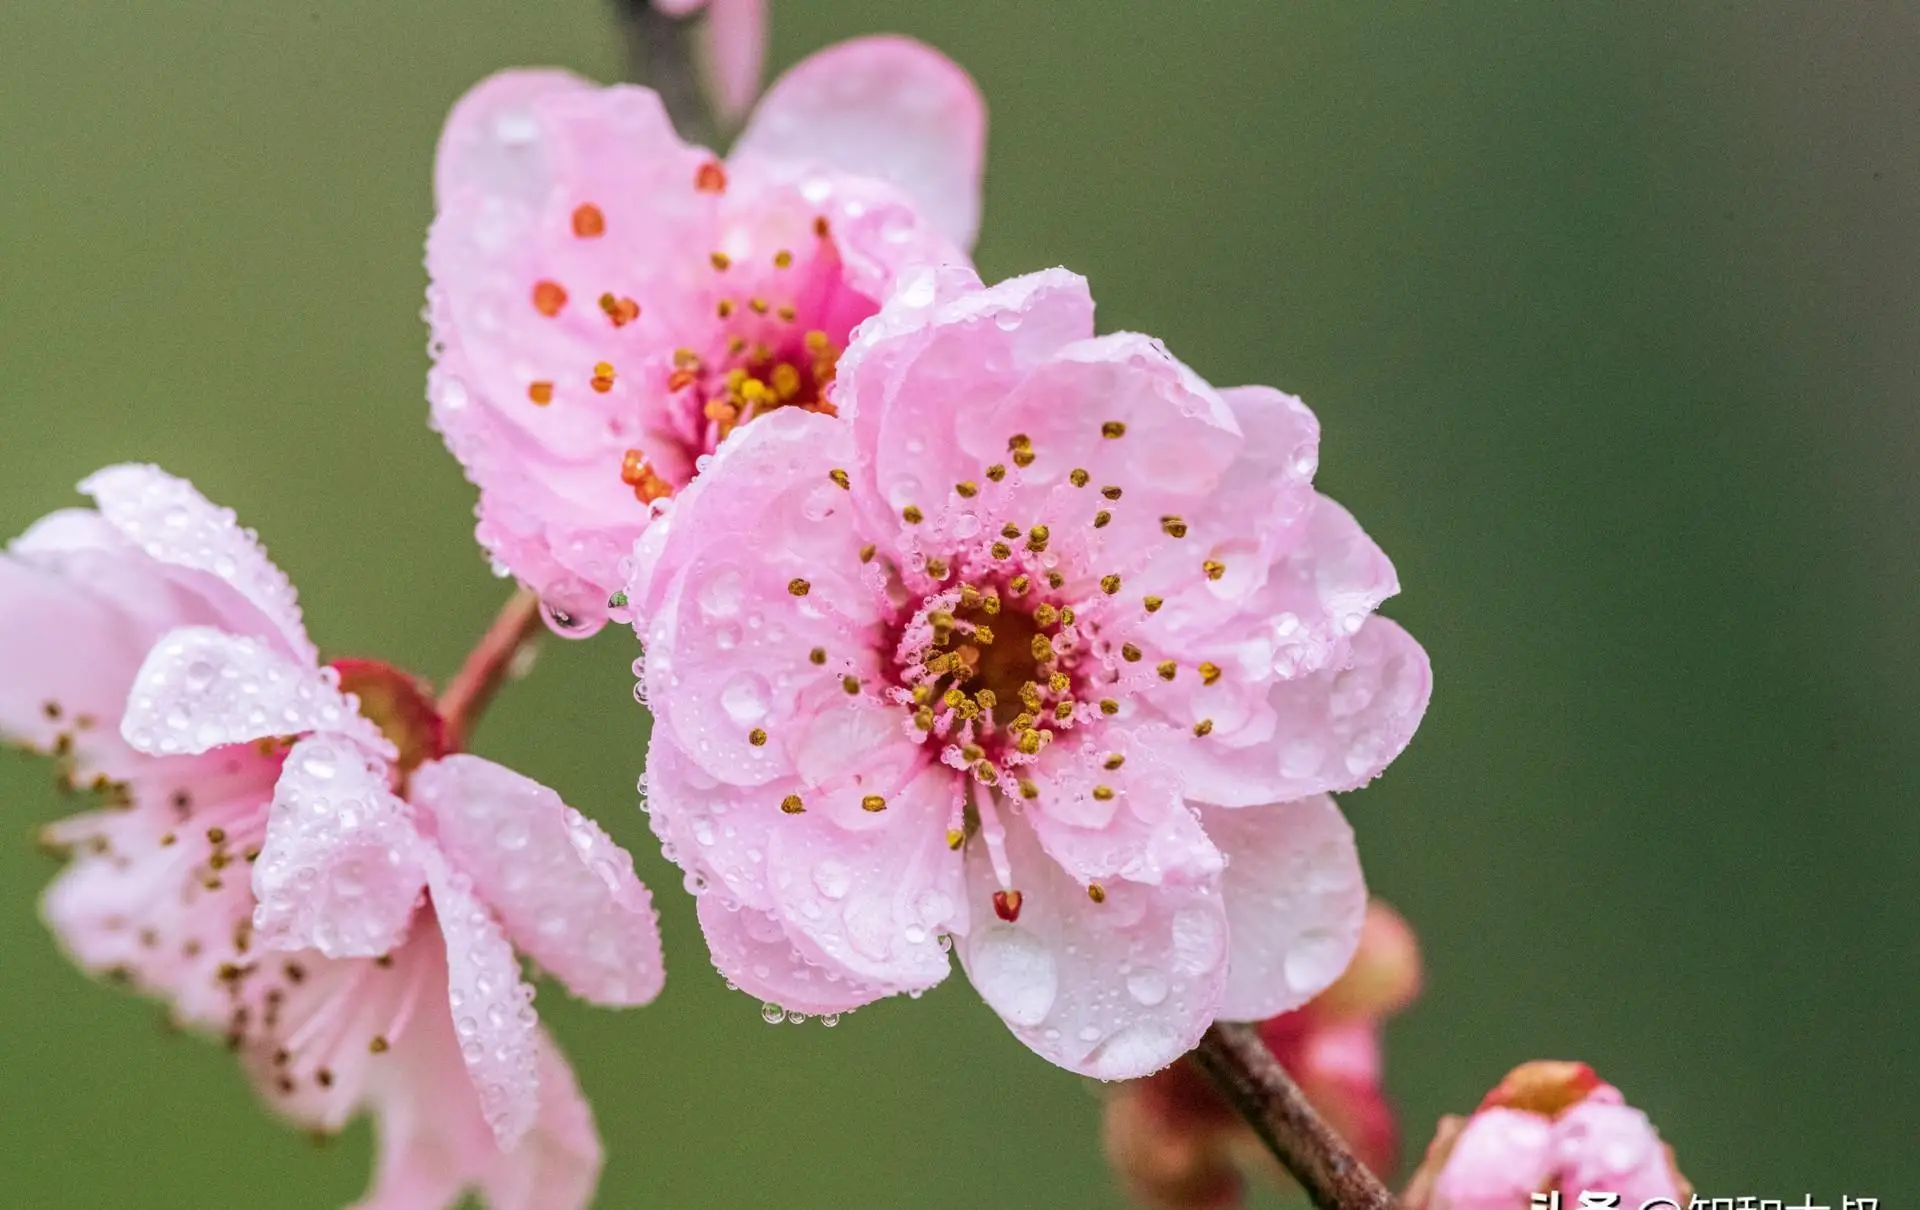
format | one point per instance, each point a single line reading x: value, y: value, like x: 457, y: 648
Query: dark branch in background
x: 660, y: 54
x: 1266, y: 1096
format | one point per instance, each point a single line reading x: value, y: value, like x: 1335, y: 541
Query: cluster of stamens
x: 767, y: 360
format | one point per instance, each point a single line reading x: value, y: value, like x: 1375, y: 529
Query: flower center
x: 991, y: 667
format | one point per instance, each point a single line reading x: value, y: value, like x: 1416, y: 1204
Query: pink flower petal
x: 141, y: 896
x: 872, y: 903
x: 1295, y: 903
x: 752, y: 950
x: 493, y: 1017
x: 1114, y: 990
x: 201, y: 689
x: 1144, y: 833
x: 732, y: 679
x: 709, y: 827
x: 942, y: 349
x: 1333, y: 730
x: 72, y: 636
x: 735, y: 53
x: 885, y: 107
x: 1598, y: 1145
x: 433, y: 1142
x: 176, y: 525
x: 1499, y: 1161
x: 341, y: 869
x: 563, y: 890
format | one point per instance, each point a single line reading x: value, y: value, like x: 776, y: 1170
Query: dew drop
x: 744, y: 697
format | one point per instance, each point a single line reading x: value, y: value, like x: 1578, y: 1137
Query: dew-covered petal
x: 1129, y: 823
x: 201, y: 689
x: 1125, y: 410
x: 174, y: 524
x: 342, y: 866
x: 871, y: 903
x: 1333, y: 730
x: 712, y: 829
x: 1499, y: 1161
x: 942, y: 350
x: 563, y: 890
x: 1115, y: 989
x: 493, y: 1019
x: 753, y: 951
x: 1295, y: 900
x: 885, y: 107
x: 434, y: 1145
x: 766, y: 613
x: 1601, y: 1145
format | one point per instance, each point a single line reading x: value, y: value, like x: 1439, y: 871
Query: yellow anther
x: 792, y: 805
x: 798, y: 587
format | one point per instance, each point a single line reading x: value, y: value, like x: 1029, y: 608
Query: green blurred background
x: 1609, y: 311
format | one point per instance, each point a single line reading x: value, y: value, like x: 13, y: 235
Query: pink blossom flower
x: 736, y: 48
x: 1016, y: 654
x: 268, y: 828
x: 1548, y: 1127
x: 609, y: 303
x: 1177, y: 1145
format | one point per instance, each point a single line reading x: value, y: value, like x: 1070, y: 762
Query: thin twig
x: 661, y: 55
x: 1266, y: 1096
x: 488, y: 665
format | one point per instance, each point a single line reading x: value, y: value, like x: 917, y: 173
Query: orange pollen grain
x: 541, y: 393
x: 622, y: 311
x: 588, y: 221
x: 548, y: 298
x: 711, y: 178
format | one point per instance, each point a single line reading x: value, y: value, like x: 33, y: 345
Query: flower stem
x: 660, y: 54
x: 1266, y: 1096
x: 488, y: 665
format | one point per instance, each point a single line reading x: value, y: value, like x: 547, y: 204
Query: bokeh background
x: 1609, y: 311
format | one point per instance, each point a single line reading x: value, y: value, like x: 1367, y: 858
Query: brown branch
x: 661, y: 55
x: 488, y: 666
x: 1266, y: 1096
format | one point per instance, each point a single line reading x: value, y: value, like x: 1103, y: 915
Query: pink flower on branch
x: 608, y: 303
x: 1548, y: 1127
x: 1020, y: 652
x: 286, y: 854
